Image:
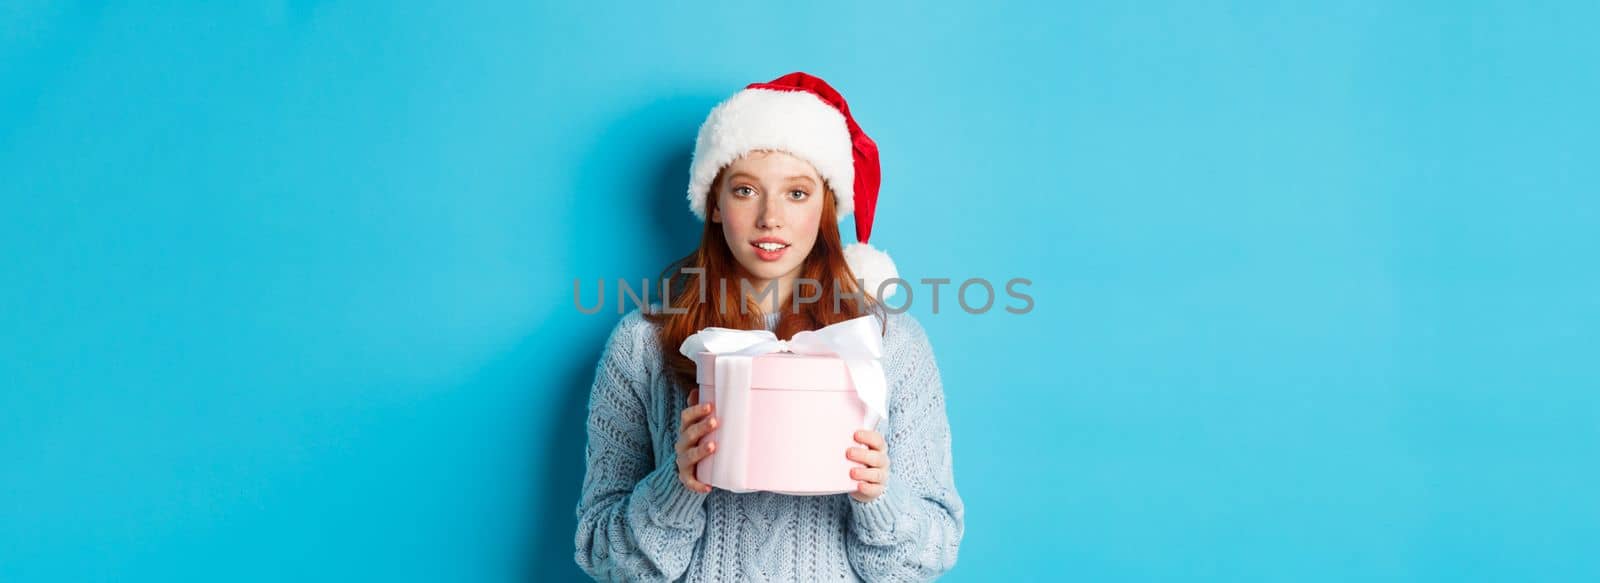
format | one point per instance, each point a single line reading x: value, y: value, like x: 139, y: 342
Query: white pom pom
x: 873, y: 267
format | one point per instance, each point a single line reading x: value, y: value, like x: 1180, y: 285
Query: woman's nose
x: 771, y: 212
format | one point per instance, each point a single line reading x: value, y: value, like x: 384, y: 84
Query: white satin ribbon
x: 857, y: 342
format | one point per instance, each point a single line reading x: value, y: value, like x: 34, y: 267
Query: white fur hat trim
x: 873, y: 267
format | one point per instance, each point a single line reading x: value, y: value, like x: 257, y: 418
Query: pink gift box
x: 790, y: 436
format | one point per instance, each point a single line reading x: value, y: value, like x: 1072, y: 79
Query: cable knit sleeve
x: 636, y: 520
x: 912, y: 531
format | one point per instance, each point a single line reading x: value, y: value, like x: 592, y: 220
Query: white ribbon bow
x: 856, y: 341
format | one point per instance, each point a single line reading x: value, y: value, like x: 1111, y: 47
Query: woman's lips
x: 766, y: 255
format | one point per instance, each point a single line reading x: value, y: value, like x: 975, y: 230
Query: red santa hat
x: 804, y: 116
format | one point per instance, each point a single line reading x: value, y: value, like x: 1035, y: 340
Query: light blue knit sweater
x: 637, y: 522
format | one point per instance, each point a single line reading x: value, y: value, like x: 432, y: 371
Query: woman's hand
x: 871, y: 479
x: 694, y: 423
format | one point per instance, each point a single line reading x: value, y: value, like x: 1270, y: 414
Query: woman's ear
x: 716, y: 215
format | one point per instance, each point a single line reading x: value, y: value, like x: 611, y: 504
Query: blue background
x: 288, y: 285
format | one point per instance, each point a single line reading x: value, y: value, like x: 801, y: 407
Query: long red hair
x: 826, y: 265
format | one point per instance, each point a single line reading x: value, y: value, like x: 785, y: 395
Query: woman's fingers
x: 687, y: 477
x: 869, y: 489
x: 693, y: 413
x: 692, y: 435
x: 694, y: 454
x: 871, y: 439
x: 686, y: 465
x: 873, y: 475
x: 694, y: 423
x: 871, y: 458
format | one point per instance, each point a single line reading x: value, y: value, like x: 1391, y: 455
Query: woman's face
x: 770, y: 206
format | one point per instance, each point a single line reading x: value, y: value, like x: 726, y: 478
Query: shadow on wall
x: 632, y: 220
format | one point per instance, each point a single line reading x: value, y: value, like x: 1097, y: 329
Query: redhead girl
x: 776, y: 166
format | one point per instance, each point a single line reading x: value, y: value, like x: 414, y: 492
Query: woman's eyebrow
x: 752, y: 177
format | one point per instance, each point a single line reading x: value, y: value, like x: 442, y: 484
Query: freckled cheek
x: 735, y: 223
x: 813, y: 229
x: 731, y: 235
x: 805, y: 247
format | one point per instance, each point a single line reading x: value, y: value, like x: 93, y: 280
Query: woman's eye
x: 798, y: 194
x: 743, y: 190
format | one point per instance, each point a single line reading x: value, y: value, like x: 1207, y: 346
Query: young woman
x: 775, y: 167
